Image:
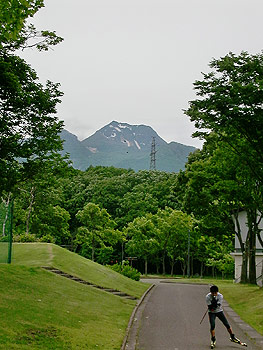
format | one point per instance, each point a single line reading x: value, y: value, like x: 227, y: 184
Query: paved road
x: 169, y: 319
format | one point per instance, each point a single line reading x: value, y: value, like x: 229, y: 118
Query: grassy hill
x: 41, y: 310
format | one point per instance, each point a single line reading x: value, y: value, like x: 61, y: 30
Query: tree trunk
x: 202, y: 269
x: 244, y: 250
x: 260, y: 238
x: 252, y: 259
x: 253, y: 228
x: 146, y: 267
x: 243, y: 278
x: 172, y: 266
x: 183, y: 267
x: 164, y: 264
x: 30, y: 208
x: 6, y: 204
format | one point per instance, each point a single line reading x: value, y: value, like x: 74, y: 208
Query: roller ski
x: 213, y: 344
x: 237, y: 341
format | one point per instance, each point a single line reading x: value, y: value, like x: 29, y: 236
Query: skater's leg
x: 222, y: 318
x: 213, y: 334
x: 212, y: 318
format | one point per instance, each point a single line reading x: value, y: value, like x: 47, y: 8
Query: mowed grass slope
x: 47, y: 254
x: 41, y: 310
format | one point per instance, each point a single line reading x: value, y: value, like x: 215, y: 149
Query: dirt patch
x: 33, y: 335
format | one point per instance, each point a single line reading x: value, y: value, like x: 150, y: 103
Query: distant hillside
x: 125, y: 146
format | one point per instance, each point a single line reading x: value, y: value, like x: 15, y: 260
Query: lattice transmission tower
x: 153, y: 155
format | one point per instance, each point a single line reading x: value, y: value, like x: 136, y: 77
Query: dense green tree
x: 181, y: 227
x: 28, y: 125
x: 219, y: 186
x: 97, y: 227
x: 230, y: 104
x: 120, y: 192
x: 35, y: 198
x: 142, y: 239
x: 173, y: 229
x: 52, y: 225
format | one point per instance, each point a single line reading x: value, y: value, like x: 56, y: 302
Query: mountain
x: 125, y: 146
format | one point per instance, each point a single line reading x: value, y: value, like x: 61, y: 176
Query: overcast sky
x: 135, y: 61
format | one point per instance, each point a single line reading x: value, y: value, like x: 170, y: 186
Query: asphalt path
x: 169, y: 319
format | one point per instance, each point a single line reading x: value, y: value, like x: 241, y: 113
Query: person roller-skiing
x: 214, y: 301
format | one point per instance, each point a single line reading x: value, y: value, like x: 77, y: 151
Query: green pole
x: 10, y: 232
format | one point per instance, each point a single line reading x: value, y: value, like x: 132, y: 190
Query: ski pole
x: 203, y: 316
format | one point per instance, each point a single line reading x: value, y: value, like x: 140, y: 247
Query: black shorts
x: 222, y: 318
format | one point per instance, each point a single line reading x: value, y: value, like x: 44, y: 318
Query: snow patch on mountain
x: 93, y: 149
x: 127, y: 142
x: 136, y: 143
x: 121, y: 126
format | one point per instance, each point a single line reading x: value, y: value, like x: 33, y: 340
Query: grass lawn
x: 41, y: 310
x: 47, y: 254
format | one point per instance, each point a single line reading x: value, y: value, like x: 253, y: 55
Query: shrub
x: 48, y: 239
x: 25, y: 238
x: 126, y: 270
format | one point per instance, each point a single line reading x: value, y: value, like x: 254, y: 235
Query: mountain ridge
x: 123, y: 145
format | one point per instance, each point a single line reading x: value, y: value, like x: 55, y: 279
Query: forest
x: 165, y: 222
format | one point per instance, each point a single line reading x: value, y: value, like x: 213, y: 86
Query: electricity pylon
x: 153, y: 157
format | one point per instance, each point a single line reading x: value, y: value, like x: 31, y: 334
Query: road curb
x: 123, y: 347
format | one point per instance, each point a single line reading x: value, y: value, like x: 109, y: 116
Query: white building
x: 242, y: 219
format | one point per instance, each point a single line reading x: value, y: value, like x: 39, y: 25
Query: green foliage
x: 121, y: 192
x: 47, y: 239
x: 126, y: 270
x: 97, y: 229
x: 230, y: 104
x: 224, y: 263
x: 16, y: 33
x: 142, y: 239
x: 104, y: 255
x: 13, y: 15
x: 25, y: 238
x: 36, y: 129
x: 28, y: 125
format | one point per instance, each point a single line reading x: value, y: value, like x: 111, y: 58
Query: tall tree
x: 218, y: 188
x: 142, y: 240
x: 28, y: 125
x: 97, y: 226
x: 230, y: 104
